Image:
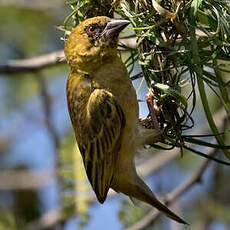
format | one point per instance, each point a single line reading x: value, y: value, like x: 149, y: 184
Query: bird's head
x: 93, y: 42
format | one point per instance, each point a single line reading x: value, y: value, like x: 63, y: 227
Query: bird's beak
x: 113, y: 28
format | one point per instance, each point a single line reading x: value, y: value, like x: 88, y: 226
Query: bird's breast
x: 112, y: 77
x: 78, y: 91
x: 115, y: 79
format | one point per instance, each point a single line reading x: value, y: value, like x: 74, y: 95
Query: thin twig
x: 47, y: 105
x: 46, y: 101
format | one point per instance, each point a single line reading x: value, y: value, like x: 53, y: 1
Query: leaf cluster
x: 180, y: 44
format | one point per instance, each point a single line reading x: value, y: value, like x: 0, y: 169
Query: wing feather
x: 100, y: 146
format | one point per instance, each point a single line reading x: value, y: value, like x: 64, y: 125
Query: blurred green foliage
x: 75, y: 187
x: 28, y: 30
x: 25, y: 33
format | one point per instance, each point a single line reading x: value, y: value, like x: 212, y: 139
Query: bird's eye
x: 91, y: 29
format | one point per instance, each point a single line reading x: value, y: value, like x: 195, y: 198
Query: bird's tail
x: 139, y: 190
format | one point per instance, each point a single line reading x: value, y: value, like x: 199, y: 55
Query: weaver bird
x: 104, y: 111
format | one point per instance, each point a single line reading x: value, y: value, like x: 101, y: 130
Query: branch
x: 47, y: 221
x: 33, y: 64
x: 36, y: 63
x: 26, y: 179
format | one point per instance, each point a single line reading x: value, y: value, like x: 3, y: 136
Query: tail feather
x: 161, y: 207
x: 147, y: 196
x: 140, y: 191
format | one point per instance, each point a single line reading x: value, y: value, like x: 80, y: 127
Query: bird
x: 103, y: 109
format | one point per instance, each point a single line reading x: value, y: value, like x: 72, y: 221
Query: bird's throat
x: 90, y: 63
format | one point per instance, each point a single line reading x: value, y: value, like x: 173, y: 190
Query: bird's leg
x: 149, y: 128
x: 154, y: 110
x: 148, y: 136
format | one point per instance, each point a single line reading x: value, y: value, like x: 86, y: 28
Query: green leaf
x: 206, y: 156
x: 72, y: 2
x: 203, y: 143
x: 195, y: 6
x: 171, y: 91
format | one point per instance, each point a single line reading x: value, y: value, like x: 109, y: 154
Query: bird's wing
x: 105, y: 122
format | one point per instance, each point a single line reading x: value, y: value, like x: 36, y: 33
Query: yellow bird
x: 104, y: 111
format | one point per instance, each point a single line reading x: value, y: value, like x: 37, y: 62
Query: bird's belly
x: 129, y: 145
